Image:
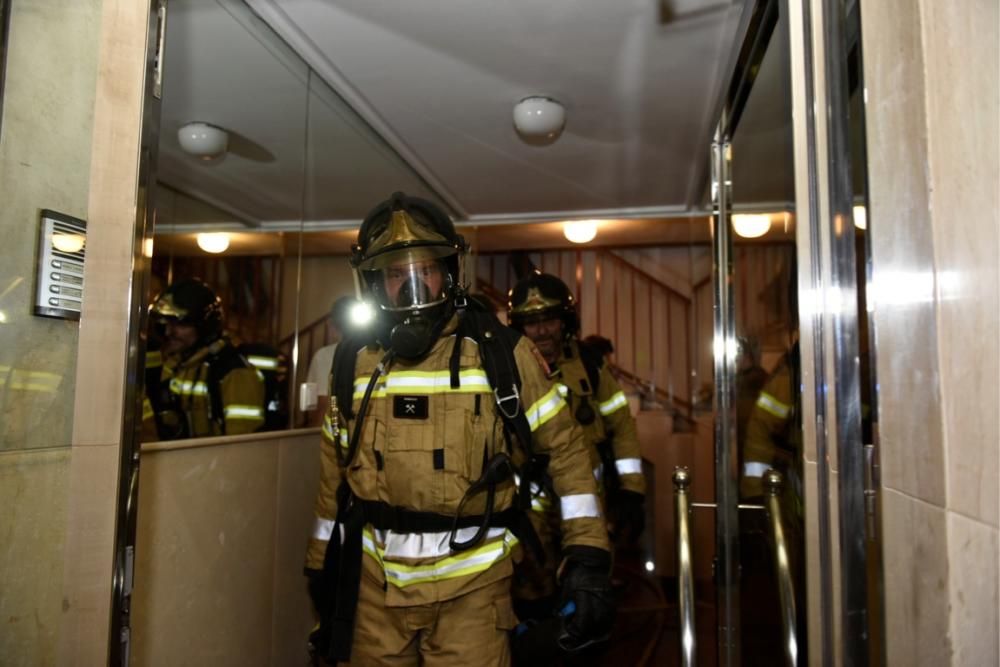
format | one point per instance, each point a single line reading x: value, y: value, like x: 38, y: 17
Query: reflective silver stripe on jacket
x: 323, y: 529
x: 629, y: 466
x: 755, y: 469
x: 580, y: 506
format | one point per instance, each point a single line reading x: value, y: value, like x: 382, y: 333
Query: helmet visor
x: 410, y: 285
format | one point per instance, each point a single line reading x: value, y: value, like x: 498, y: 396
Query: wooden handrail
x: 645, y: 274
x: 496, y: 297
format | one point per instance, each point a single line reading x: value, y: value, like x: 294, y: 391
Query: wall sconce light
x: 203, y: 140
x: 751, y: 226
x: 539, y: 120
x: 214, y: 242
x: 580, y: 231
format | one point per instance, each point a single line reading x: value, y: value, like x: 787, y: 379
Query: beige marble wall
x: 33, y: 488
x: 930, y: 74
x: 44, y: 163
x: 220, y: 547
x: 97, y: 428
x: 45, y: 146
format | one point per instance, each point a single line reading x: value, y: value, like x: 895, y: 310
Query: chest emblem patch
x: 410, y: 407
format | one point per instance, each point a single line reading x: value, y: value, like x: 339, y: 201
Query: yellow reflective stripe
x: 541, y: 503
x: 147, y: 409
x: 30, y: 380
x: 770, y: 404
x: 244, y: 412
x: 330, y: 436
x: 188, y: 388
x: 153, y: 359
x: 471, y: 381
x: 613, y: 404
x: 267, y: 363
x: 452, y: 567
x: 544, y: 408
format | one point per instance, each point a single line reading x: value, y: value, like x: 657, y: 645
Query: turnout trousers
x: 471, y: 629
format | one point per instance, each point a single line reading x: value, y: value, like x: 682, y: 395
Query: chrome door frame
x: 829, y: 330
x: 760, y: 29
x: 119, y: 639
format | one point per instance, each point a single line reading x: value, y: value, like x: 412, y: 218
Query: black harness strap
x: 455, y: 362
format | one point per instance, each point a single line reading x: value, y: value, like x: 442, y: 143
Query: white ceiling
x: 336, y: 103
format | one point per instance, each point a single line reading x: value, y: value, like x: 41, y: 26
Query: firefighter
x: 410, y: 560
x: 204, y: 386
x: 773, y: 431
x: 542, y: 307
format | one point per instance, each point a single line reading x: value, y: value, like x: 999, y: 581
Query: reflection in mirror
x: 229, y: 163
x: 768, y: 377
x: 223, y: 524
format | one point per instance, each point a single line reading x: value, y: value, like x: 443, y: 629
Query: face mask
x: 412, y: 337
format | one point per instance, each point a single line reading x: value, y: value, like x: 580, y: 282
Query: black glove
x: 586, y: 582
x: 629, y: 513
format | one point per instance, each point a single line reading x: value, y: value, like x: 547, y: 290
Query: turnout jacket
x: 772, y: 438
x: 423, y: 444
x: 184, y: 392
x: 606, y: 411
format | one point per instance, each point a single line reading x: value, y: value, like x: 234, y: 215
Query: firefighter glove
x: 586, y: 583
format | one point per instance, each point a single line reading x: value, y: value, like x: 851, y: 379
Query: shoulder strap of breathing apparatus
x: 496, y: 350
x: 496, y: 344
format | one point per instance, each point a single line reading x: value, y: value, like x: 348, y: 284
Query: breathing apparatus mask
x: 409, y: 259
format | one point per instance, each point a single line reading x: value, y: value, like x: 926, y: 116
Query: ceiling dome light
x: 751, y: 226
x: 539, y: 120
x: 203, y: 140
x: 68, y: 242
x: 860, y: 217
x: 580, y: 231
x: 214, y: 243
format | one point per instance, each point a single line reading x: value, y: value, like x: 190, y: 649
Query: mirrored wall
x: 291, y: 157
x: 265, y: 217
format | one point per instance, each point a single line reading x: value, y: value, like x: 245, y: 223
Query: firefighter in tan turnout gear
x: 542, y: 307
x: 418, y: 515
x: 197, y: 383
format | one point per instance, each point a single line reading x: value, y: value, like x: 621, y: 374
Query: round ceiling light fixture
x: 580, y: 231
x: 213, y: 242
x: 751, y: 226
x: 539, y: 120
x: 203, y: 140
